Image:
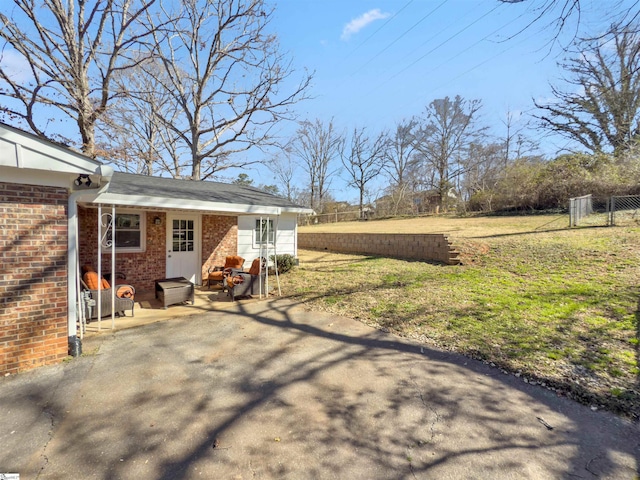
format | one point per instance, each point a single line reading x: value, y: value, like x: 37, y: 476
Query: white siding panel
x: 286, y: 241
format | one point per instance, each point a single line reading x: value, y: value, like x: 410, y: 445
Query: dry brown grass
x: 456, y: 227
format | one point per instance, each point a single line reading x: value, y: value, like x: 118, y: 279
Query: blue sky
x: 377, y: 62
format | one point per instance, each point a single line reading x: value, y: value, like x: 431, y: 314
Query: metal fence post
x: 572, y: 203
x: 613, y: 211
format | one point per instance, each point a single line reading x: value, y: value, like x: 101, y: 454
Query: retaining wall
x: 426, y: 247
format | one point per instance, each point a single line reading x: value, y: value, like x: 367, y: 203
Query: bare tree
x: 517, y: 142
x: 133, y: 137
x: 600, y: 107
x: 401, y: 160
x: 486, y: 168
x: 71, y: 51
x: 317, y: 147
x: 227, y: 78
x: 401, y: 147
x: 558, y: 16
x: 363, y: 159
x: 449, y: 129
x: 510, y: 138
x: 284, y: 170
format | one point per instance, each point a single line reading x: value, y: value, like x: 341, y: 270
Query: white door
x: 183, y: 246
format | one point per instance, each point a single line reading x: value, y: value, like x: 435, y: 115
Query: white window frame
x: 143, y: 232
x: 256, y: 228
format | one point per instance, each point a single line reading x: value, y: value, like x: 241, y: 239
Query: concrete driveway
x: 270, y: 391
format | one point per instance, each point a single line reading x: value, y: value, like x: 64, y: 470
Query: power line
x: 486, y: 37
x: 400, y: 37
x: 478, y: 65
x: 437, y: 34
x: 433, y: 49
x: 444, y: 42
x: 379, y: 28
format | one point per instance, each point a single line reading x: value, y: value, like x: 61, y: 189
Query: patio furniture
x: 121, y: 278
x: 174, y: 290
x: 218, y: 274
x: 253, y: 282
x: 124, y: 299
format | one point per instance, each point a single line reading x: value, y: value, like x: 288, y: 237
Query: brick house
x: 60, y: 209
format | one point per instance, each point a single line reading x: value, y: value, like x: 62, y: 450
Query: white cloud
x: 358, y: 23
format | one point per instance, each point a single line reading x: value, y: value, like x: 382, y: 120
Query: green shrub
x: 285, y: 262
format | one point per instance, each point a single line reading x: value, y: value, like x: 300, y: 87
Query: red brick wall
x: 219, y: 239
x: 140, y: 268
x: 33, y: 276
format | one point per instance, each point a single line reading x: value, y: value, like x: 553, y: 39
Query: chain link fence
x: 584, y: 211
x: 579, y: 208
x: 593, y: 211
x: 624, y: 210
x: 335, y: 217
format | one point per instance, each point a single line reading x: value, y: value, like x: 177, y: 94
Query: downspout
x: 73, y: 255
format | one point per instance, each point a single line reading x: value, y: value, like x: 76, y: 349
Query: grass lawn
x: 554, y: 305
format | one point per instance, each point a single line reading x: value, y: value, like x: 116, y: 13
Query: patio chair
x: 124, y: 299
x: 218, y: 274
x: 253, y: 282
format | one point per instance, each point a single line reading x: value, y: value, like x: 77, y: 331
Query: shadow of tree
x: 34, y: 272
x: 271, y: 391
x: 587, y: 386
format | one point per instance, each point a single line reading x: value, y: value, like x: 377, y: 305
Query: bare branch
x: 600, y: 107
x: 225, y: 74
x: 449, y: 130
x: 363, y: 160
x: 73, y: 50
x: 317, y: 147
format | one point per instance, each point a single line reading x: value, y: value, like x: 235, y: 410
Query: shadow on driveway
x: 270, y: 391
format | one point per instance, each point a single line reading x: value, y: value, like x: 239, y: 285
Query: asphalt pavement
x: 269, y: 391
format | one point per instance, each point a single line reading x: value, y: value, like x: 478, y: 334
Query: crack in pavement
x: 436, y: 415
x: 587, y: 466
x: 49, y: 412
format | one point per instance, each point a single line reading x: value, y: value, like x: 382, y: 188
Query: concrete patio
x: 148, y: 309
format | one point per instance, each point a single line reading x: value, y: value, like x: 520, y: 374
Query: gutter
x: 104, y: 174
x: 166, y: 203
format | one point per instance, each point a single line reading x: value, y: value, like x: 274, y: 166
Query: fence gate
x: 624, y: 210
x: 618, y: 211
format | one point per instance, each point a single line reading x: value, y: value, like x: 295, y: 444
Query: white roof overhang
x: 22, y: 150
x: 164, y: 203
x: 26, y: 158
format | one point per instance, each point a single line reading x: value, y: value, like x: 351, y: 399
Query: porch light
x: 157, y: 221
x: 83, y: 179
